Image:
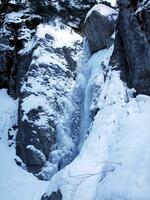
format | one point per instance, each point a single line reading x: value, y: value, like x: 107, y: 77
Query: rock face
x: 72, y: 12
x: 44, y: 140
x: 99, y: 26
x: 16, y: 33
x: 18, y: 27
x: 132, y: 47
x: 37, y: 64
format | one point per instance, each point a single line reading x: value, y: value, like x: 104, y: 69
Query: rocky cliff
x: 39, y: 51
x: 132, y: 46
x: 80, y: 74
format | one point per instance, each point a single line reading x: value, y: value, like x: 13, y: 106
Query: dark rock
x: 73, y: 13
x: 68, y: 57
x: 45, y: 197
x: 42, y: 140
x: 54, y: 196
x: 14, y: 59
x: 5, y: 67
x: 94, y: 112
x: 99, y: 26
x: 7, y: 6
x: 132, y: 48
x: 18, y: 162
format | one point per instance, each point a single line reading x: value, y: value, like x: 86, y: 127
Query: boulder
x: 99, y: 26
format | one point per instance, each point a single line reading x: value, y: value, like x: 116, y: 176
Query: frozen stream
x: 91, y: 69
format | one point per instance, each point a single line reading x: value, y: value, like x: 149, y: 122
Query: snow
x: 12, y: 2
x: 63, y: 36
x: 112, y: 2
x: 36, y: 151
x: 131, y: 147
x: 44, y: 82
x: 32, y: 102
x: 28, y: 46
x: 115, y: 158
x: 15, y: 182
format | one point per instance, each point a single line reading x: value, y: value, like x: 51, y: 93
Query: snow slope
x: 115, y: 158
x: 129, y: 145
x: 15, y: 182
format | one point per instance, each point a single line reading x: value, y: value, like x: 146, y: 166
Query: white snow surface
x: 63, y: 35
x: 15, y: 182
x: 114, y: 161
x: 112, y: 2
x: 58, y: 38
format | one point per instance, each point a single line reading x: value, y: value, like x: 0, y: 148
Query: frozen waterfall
x: 91, y: 69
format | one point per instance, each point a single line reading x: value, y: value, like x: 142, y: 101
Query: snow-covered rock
x: 72, y: 11
x: 46, y: 101
x: 75, y: 123
x: 16, y: 43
